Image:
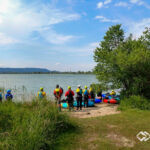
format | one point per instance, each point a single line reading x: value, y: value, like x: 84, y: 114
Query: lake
x: 24, y: 86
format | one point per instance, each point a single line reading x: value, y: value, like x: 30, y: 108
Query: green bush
x: 135, y: 102
x: 31, y: 126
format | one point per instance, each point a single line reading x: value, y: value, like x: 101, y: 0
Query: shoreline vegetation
x: 39, y: 125
x: 32, y: 125
x: 39, y: 71
x: 79, y: 72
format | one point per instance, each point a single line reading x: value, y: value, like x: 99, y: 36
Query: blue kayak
x: 64, y: 105
x: 97, y: 100
x: 90, y: 103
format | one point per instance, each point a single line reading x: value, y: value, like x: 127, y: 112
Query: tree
x: 102, y: 55
x: 126, y: 64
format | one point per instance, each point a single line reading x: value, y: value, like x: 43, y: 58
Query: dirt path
x: 99, y: 110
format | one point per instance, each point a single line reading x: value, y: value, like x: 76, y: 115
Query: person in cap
x: 9, y: 96
x: 70, y: 94
x: 79, y: 97
x: 92, y: 94
x: 58, y: 93
x: 41, y: 93
x: 86, y: 96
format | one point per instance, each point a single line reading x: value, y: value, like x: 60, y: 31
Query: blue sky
x: 62, y: 34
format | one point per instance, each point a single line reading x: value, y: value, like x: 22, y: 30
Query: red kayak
x: 105, y: 100
x: 112, y: 101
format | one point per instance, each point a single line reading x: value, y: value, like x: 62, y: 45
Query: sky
x: 62, y: 34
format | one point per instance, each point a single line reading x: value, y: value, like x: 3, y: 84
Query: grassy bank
x: 39, y: 126
x: 114, y: 132
x: 31, y: 126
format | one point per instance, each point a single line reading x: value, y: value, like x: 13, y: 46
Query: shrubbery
x: 134, y: 102
x: 31, y: 125
x: 124, y: 62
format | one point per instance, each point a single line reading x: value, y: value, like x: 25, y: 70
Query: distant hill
x: 24, y: 70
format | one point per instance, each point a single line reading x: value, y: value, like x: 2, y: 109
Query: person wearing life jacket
x: 9, y: 96
x: 79, y: 97
x: 70, y: 94
x: 58, y: 93
x: 62, y: 91
x: 86, y: 97
x: 1, y: 96
x: 99, y: 94
x: 41, y: 93
x: 113, y: 93
x: 92, y: 94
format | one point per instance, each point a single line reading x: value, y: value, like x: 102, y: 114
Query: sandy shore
x: 99, y: 110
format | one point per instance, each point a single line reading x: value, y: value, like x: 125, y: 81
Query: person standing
x: 113, y: 93
x: 58, y: 93
x: 41, y: 93
x: 92, y: 94
x: 69, y: 94
x: 1, y: 96
x: 9, y: 96
x: 79, y: 97
x: 86, y: 97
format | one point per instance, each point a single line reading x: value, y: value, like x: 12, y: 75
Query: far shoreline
x: 87, y: 73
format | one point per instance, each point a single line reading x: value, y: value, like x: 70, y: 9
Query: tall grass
x: 136, y: 102
x: 31, y: 125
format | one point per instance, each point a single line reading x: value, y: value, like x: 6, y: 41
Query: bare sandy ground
x: 99, y: 110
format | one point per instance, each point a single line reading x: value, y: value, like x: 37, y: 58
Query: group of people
x: 8, y: 96
x: 81, y: 96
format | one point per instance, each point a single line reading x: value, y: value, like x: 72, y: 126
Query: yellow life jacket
x: 113, y: 93
x: 77, y: 90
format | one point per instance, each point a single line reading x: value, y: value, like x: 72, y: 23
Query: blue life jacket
x: 41, y: 95
x: 9, y: 96
x: 86, y: 92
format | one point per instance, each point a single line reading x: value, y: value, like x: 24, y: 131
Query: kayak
x: 90, y: 103
x: 97, y: 100
x: 64, y: 105
x: 111, y: 101
x: 106, y: 100
x: 75, y: 104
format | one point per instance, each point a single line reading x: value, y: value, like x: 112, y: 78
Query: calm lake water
x: 24, y: 86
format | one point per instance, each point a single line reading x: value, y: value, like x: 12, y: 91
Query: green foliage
x: 98, y: 87
x: 125, y: 65
x: 31, y: 126
x: 136, y: 102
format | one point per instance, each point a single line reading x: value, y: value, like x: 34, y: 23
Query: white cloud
x: 19, y: 21
x: 121, y: 4
x: 57, y: 64
x: 140, y: 3
x: 104, y: 19
x: 137, y: 28
x: 135, y: 1
x: 107, y: 2
x: 100, y: 5
x: 6, y: 40
x: 94, y: 44
x: 74, y: 67
x: 52, y: 37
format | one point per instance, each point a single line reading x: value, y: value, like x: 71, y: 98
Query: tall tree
x: 127, y: 64
x: 102, y: 55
